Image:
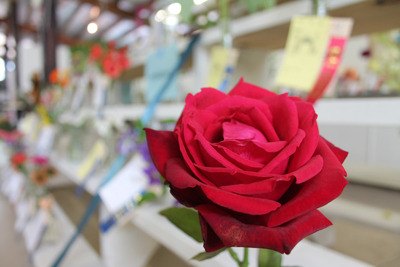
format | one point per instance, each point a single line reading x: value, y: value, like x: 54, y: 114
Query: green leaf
x: 269, y: 258
x: 185, y: 219
x: 207, y: 255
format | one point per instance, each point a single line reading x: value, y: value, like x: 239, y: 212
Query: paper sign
x: 304, y: 52
x: 95, y: 156
x: 126, y: 186
x: 99, y: 93
x: 80, y: 91
x: 221, y: 59
x: 158, y: 67
x: 45, y: 141
x: 35, y: 230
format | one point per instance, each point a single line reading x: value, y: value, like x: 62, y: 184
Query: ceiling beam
x: 29, y: 28
x: 104, y: 31
x: 112, y: 7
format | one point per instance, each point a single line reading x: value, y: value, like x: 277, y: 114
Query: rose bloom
x: 254, y: 166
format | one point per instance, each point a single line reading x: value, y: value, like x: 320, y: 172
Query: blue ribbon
x: 120, y: 161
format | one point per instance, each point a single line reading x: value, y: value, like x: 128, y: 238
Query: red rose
x: 254, y: 166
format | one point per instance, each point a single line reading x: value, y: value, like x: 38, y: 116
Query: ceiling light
x: 92, y: 27
x: 94, y: 12
x: 174, y: 8
x: 160, y: 15
x: 199, y: 2
x: 172, y: 20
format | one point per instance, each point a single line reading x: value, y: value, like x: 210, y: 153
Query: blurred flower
x: 18, y: 159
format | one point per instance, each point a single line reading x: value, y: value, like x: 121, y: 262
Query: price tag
x: 46, y: 140
x: 126, y: 186
x: 222, y: 59
x: 304, y: 52
x: 35, y: 230
x: 96, y: 155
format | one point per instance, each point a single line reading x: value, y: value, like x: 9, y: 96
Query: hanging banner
x: 309, y: 48
x: 96, y: 155
x: 304, y: 51
x: 223, y: 62
x: 158, y: 67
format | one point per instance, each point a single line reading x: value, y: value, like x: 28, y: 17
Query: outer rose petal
x: 162, y: 145
x: 238, y: 203
x: 250, y: 90
x: 308, y: 123
x: 340, y: 153
x: 207, y: 97
x: 233, y: 233
x: 316, y: 192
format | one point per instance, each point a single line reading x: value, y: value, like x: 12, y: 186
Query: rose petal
x: 211, y: 240
x: 177, y: 174
x: 285, y: 116
x: 307, y: 122
x: 250, y: 90
x: 238, y: 203
x: 271, y: 188
x: 207, y: 97
x: 285, y: 153
x: 310, y: 170
x: 234, y: 130
x: 162, y: 145
x: 233, y: 233
x: 340, y: 154
x: 316, y: 192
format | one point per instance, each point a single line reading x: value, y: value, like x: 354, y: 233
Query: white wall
x: 30, y: 60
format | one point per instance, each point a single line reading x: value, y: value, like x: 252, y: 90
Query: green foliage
x: 207, y: 255
x: 186, y: 220
x: 269, y: 258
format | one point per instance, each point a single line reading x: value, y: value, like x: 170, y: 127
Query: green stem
x: 234, y: 256
x: 245, y: 262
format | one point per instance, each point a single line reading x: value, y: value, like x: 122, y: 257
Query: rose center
x: 234, y: 130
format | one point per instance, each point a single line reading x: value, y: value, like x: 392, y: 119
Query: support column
x: 50, y: 36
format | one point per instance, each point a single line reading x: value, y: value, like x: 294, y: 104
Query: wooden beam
x: 104, y: 31
x: 112, y: 7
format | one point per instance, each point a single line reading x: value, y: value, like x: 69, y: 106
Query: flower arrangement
x: 252, y: 168
x: 111, y: 60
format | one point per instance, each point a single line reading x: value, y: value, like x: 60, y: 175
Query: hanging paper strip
x: 340, y: 31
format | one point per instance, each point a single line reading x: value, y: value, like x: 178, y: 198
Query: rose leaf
x: 207, y: 255
x: 269, y: 258
x: 186, y: 220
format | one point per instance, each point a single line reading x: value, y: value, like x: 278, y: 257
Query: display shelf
x: 369, y: 205
x: 269, y: 29
x: 80, y: 255
x: 359, y: 111
x: 147, y: 219
x: 70, y: 170
x: 119, y: 113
